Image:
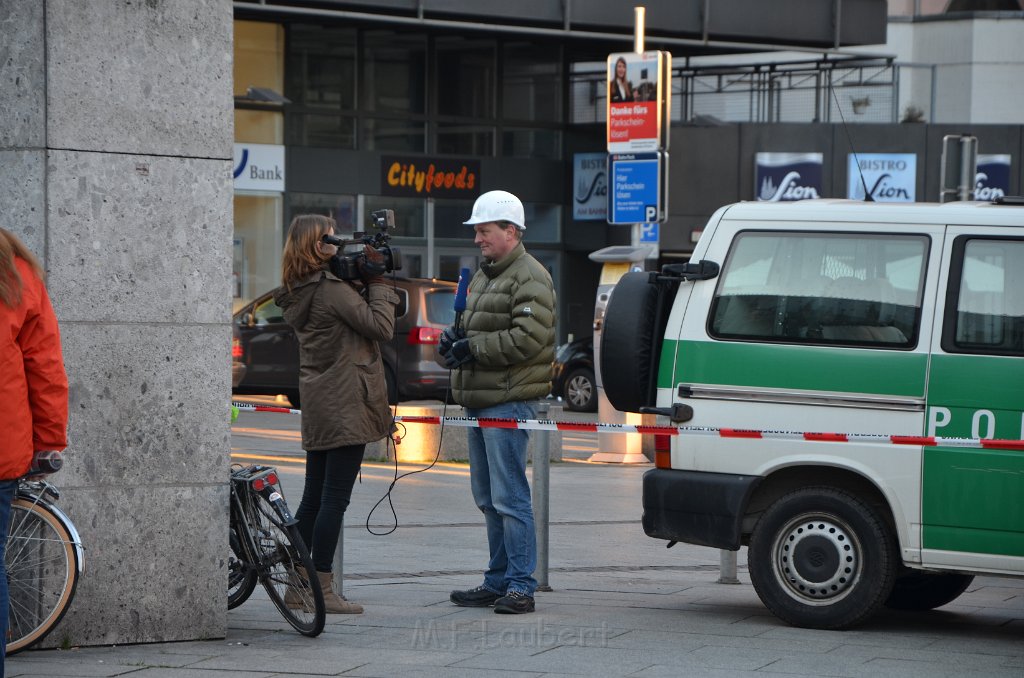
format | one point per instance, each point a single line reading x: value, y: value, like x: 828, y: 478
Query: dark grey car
x: 269, y: 350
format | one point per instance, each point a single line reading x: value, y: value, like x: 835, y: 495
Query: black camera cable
x: 393, y: 447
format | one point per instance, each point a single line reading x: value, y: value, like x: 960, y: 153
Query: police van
x: 805, y: 342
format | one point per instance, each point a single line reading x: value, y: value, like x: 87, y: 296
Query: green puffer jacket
x: 341, y: 376
x: 510, y: 324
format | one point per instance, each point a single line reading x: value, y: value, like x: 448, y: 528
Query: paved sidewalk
x: 622, y: 605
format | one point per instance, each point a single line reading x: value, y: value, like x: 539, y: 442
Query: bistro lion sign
x: 421, y: 177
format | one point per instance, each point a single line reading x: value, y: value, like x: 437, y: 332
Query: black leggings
x: 330, y: 475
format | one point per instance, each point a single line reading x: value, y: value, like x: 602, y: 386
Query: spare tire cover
x: 629, y: 354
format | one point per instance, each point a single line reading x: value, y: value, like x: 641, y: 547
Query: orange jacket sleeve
x: 45, y: 378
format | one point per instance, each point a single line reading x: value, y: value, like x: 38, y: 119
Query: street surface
x: 622, y: 604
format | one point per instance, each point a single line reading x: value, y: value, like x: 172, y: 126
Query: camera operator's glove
x: 449, y: 337
x: 458, y: 355
x: 371, y: 266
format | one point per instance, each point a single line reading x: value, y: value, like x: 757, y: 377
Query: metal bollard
x: 727, y: 567
x: 541, y: 495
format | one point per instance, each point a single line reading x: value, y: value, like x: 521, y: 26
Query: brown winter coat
x: 341, y: 376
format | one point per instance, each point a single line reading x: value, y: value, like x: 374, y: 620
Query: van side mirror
x: 702, y: 270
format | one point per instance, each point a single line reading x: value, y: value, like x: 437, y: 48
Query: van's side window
x: 821, y: 288
x: 984, y: 310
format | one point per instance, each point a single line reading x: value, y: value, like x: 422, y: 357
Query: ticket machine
x: 628, y: 448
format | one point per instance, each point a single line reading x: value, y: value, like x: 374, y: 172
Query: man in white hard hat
x: 500, y: 362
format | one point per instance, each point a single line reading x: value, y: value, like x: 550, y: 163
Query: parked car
x: 573, y: 376
x: 237, y: 366
x: 269, y: 349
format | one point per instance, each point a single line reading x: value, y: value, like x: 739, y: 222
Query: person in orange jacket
x: 33, y: 384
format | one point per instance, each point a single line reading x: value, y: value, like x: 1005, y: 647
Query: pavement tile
x: 622, y: 605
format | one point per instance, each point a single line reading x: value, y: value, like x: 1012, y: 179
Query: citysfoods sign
x: 423, y: 177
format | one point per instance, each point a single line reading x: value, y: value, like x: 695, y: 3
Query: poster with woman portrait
x: 637, y: 97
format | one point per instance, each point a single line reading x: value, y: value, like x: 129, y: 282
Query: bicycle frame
x: 36, y: 491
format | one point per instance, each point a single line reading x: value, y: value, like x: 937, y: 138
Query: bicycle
x: 44, y: 560
x: 265, y: 547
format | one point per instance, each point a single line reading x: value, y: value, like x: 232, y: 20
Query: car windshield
x: 440, y: 306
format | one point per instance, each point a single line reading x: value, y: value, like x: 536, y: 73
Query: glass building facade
x: 361, y: 97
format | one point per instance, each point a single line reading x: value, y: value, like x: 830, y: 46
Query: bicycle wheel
x: 241, y: 575
x: 278, y: 551
x: 42, y: 573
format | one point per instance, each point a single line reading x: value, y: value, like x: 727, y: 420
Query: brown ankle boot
x: 336, y: 604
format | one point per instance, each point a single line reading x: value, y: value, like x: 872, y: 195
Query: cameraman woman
x: 341, y: 382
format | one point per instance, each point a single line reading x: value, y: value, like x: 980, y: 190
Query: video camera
x: 356, y: 265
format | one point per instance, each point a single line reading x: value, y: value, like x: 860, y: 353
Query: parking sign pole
x: 541, y: 496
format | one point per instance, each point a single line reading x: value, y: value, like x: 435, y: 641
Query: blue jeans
x: 7, y: 490
x: 497, y: 473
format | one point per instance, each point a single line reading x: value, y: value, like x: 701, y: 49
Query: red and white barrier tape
x: 548, y: 425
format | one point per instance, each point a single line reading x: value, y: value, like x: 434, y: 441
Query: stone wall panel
x: 139, y: 238
x: 152, y: 76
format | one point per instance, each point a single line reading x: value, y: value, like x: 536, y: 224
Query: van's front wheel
x: 822, y: 558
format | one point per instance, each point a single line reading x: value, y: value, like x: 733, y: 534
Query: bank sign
x: 992, y: 179
x: 784, y: 177
x: 259, y: 167
x: 887, y: 177
x: 590, y: 187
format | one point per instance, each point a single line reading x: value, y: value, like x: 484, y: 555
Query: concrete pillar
x: 115, y: 167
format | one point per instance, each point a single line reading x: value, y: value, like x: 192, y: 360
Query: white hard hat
x: 497, y: 206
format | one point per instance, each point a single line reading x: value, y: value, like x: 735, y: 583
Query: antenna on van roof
x: 849, y: 139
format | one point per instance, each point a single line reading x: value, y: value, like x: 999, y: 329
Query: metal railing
x: 857, y: 90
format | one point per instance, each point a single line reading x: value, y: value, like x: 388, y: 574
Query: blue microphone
x: 460, y: 296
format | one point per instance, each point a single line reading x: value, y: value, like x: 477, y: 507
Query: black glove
x: 458, y: 355
x: 371, y: 266
x: 449, y: 337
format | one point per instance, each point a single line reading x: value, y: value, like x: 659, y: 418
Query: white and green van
x: 830, y: 316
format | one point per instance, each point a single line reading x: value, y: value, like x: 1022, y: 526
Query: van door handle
x: 677, y: 414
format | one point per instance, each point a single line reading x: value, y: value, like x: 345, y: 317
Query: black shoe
x: 514, y: 602
x: 478, y: 597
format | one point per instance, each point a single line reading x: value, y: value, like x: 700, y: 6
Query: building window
x: 259, y: 62
x: 258, y: 240
x: 312, y: 129
x: 393, y: 73
x: 531, y: 83
x: 410, y: 214
x: 398, y: 135
x: 531, y: 143
x: 341, y: 208
x: 466, y: 77
x: 465, y: 139
x: 321, y: 67
x: 448, y: 218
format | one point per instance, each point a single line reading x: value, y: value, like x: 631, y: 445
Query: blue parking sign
x: 634, y: 179
x: 649, y: 232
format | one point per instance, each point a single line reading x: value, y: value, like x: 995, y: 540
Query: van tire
x: 927, y: 590
x: 627, y: 339
x: 821, y: 558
